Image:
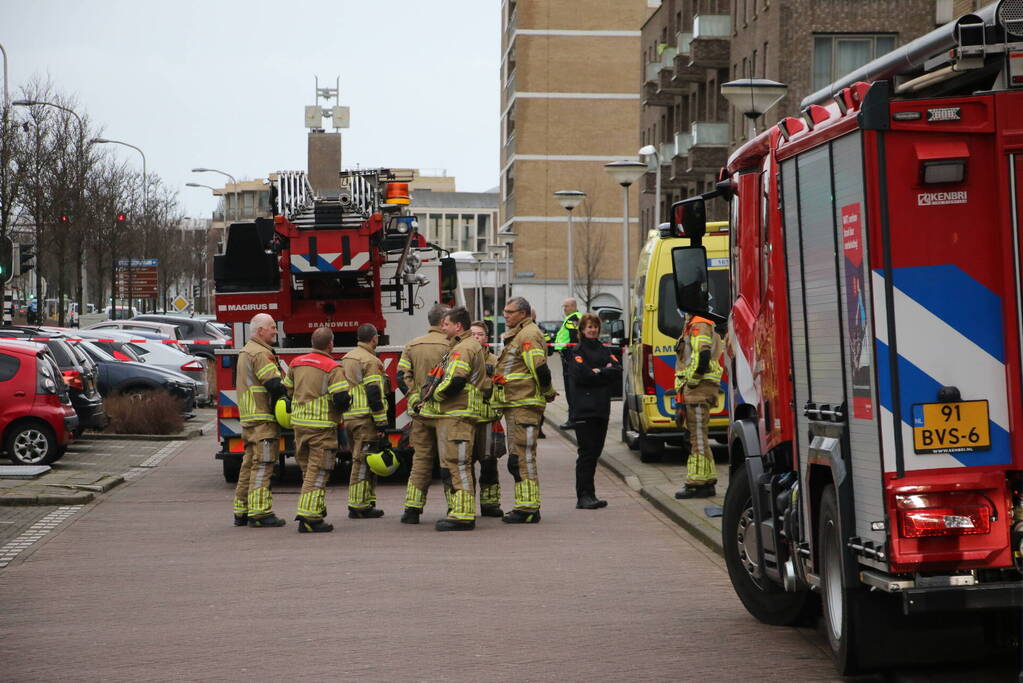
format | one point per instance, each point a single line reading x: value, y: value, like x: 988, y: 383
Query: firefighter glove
x: 704, y: 365
x: 342, y: 400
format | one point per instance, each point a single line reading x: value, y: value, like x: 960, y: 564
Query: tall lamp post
x: 7, y: 96
x: 79, y: 199
x: 651, y: 151
x: 569, y: 199
x: 237, y: 205
x: 625, y: 173
x: 145, y: 208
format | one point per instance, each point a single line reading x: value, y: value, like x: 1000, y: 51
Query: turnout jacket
x: 368, y: 384
x: 522, y: 377
x: 313, y: 381
x: 489, y: 412
x: 256, y: 374
x: 591, y: 391
x: 698, y: 354
x: 418, y: 360
x: 464, y: 380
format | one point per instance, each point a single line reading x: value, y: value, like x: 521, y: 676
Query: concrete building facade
x: 569, y: 105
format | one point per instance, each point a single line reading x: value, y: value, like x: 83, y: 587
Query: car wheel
x: 31, y: 443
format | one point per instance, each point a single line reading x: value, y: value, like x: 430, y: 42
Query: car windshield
x: 96, y: 352
x: 82, y: 357
x: 61, y: 353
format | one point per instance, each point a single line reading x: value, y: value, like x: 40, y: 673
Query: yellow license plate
x: 961, y: 427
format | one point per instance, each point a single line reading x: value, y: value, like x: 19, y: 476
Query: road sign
x: 181, y: 303
x: 137, y: 262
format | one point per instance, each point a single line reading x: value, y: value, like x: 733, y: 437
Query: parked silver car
x: 154, y: 352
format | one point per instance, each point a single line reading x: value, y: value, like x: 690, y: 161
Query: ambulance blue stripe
x: 964, y: 304
x: 916, y: 386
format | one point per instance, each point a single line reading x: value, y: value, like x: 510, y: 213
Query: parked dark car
x: 550, y: 332
x: 193, y: 330
x: 128, y: 377
x: 79, y: 373
x: 37, y: 421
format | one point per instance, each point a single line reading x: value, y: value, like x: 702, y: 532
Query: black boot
x: 313, y: 526
x: 491, y: 511
x: 448, y: 524
x: 365, y: 513
x: 589, y: 502
x: 241, y: 520
x: 695, y: 491
x: 270, y: 520
x: 411, y: 516
x: 521, y: 517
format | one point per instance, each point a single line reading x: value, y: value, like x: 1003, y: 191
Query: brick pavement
x: 152, y: 582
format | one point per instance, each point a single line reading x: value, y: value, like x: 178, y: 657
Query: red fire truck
x: 875, y: 336
x: 336, y: 261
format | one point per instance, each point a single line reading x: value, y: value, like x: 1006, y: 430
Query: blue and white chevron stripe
x: 949, y: 333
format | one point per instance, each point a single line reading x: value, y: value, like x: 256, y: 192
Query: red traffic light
x: 65, y: 219
x: 121, y: 218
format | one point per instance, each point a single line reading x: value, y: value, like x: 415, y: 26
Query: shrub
x: 148, y: 412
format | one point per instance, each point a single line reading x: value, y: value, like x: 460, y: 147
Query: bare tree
x: 589, y: 256
x: 12, y: 176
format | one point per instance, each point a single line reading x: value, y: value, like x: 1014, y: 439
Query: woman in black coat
x: 593, y: 371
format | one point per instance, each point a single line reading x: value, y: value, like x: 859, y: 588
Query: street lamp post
x: 753, y: 97
x: 569, y: 199
x: 145, y: 208
x: 651, y: 151
x: 80, y: 187
x: 625, y: 173
x: 7, y: 96
x: 237, y: 204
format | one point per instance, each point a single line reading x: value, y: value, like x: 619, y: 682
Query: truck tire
x: 856, y: 621
x: 764, y: 599
x: 650, y: 450
x: 232, y: 468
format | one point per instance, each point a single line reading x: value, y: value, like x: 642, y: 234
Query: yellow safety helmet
x: 282, y: 411
x: 382, y: 460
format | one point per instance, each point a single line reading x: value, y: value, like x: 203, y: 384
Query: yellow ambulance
x: 649, y: 409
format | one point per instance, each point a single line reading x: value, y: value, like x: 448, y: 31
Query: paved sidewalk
x: 657, y: 482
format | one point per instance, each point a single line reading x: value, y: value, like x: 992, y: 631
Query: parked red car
x: 37, y: 420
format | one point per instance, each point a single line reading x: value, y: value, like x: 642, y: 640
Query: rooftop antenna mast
x: 340, y: 117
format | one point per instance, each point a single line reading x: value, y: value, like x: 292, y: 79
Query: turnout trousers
x: 522, y: 425
x: 699, y: 401
x: 316, y: 454
x: 362, y: 484
x: 454, y: 440
x: 252, y: 495
x: 422, y: 436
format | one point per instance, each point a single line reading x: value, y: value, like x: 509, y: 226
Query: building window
x: 763, y: 62
x: 248, y: 199
x: 835, y: 56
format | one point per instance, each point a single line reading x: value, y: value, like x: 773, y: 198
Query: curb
x: 25, y: 499
x: 708, y: 536
x: 190, y: 434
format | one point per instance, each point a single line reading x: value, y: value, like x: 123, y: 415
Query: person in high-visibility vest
x: 522, y: 389
x: 417, y: 370
x: 698, y: 382
x: 564, y: 343
x: 259, y: 385
x: 489, y: 444
x: 459, y: 400
x: 319, y: 396
x: 365, y: 418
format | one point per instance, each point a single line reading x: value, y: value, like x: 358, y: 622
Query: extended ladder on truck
x: 876, y: 328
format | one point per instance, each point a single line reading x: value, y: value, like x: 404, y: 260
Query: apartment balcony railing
x: 712, y: 26
x: 653, y: 72
x: 668, y: 57
x: 709, y: 133
x: 682, y: 41
x: 666, y: 150
x: 509, y: 87
x: 683, y: 141
x: 709, y: 151
x: 655, y: 96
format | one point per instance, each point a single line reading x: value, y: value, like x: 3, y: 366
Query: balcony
x: 655, y: 96
x: 712, y: 26
x: 666, y: 150
x: 653, y: 72
x: 709, y: 151
x: 686, y: 73
x: 682, y: 41
x: 509, y: 88
x: 683, y: 141
x: 668, y: 58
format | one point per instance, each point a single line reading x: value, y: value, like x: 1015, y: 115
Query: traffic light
x: 6, y: 259
x: 121, y: 218
x: 196, y: 291
x: 65, y: 221
x: 26, y: 258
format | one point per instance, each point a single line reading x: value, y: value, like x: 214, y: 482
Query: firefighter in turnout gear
x: 458, y: 399
x: 698, y: 382
x: 365, y: 418
x: 417, y: 371
x: 489, y: 441
x: 522, y: 388
x: 319, y: 395
x: 259, y: 385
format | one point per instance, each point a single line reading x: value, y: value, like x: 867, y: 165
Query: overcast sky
x: 222, y: 84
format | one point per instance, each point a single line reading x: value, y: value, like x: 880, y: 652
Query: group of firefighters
x: 457, y: 392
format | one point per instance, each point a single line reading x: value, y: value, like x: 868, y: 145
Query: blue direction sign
x: 137, y: 262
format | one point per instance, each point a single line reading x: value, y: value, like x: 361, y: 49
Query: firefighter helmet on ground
x: 382, y: 459
x: 282, y: 411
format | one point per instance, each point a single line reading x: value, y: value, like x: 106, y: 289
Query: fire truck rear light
x: 235, y: 446
x: 952, y: 171
x: 945, y: 521
x: 227, y: 411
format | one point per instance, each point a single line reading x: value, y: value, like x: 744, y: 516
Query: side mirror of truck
x: 689, y: 218
x: 692, y: 290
